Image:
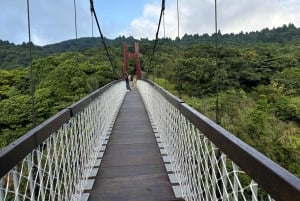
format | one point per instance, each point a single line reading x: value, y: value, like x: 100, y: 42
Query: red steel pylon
x: 135, y: 56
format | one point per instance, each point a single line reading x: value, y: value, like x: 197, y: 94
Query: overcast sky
x: 53, y: 21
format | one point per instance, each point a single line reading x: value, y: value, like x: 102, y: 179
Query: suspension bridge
x: 145, y: 144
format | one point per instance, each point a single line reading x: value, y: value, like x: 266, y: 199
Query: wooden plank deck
x: 132, y: 168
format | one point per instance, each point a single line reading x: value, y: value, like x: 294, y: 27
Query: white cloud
x: 151, y: 11
x: 236, y: 16
x: 198, y: 17
x: 146, y: 25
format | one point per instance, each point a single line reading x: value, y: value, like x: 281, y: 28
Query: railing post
x: 208, y: 195
x: 40, y: 173
x: 30, y: 176
x: 224, y: 177
x: 220, y: 185
x: 1, y: 191
x: 16, y: 182
x: 254, y: 190
x: 214, y: 163
x: 235, y: 181
x: 50, y: 170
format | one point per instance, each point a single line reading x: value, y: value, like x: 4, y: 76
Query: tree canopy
x: 257, y: 78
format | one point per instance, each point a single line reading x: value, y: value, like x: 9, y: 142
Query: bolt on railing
x: 208, y: 161
x: 53, y: 161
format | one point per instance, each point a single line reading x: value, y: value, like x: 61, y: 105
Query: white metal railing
x: 205, y: 157
x: 58, y: 163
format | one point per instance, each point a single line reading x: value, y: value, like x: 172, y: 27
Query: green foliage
x: 15, y: 115
x: 258, y: 85
x: 197, y: 74
x: 12, y: 56
x: 59, y: 81
x: 256, y: 75
x: 293, y: 108
x: 289, y: 77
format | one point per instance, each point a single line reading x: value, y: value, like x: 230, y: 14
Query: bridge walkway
x: 132, y: 168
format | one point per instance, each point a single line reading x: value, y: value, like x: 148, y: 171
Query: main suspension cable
x: 31, y: 72
x: 156, y: 35
x: 101, y: 35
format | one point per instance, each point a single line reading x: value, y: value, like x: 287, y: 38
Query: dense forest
x: 59, y: 80
x: 257, y: 80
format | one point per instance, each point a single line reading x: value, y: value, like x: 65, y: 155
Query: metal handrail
x: 279, y: 183
x: 14, y: 152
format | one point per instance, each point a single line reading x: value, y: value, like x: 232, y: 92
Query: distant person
x: 129, y: 78
x: 127, y: 82
x: 131, y: 81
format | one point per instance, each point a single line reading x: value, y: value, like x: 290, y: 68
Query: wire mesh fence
x: 53, y: 161
x: 59, y: 166
x: 207, y: 171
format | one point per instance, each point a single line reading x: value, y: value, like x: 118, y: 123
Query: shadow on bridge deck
x: 132, y: 168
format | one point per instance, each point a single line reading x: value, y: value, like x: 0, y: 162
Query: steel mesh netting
x: 58, y: 168
x: 203, y: 171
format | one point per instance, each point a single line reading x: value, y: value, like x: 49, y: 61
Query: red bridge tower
x: 134, y: 55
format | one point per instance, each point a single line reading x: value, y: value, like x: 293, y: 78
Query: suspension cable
x: 177, y: 19
x: 75, y: 16
x: 178, y: 40
x: 30, y: 63
x: 164, y: 24
x: 218, y: 120
x: 101, y: 35
x: 92, y: 25
x: 156, y: 35
x: 76, y: 35
x: 165, y: 82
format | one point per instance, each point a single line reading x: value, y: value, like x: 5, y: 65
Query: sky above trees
x: 53, y: 21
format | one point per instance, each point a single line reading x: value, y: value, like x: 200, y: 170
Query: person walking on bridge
x: 131, y: 81
x: 127, y: 80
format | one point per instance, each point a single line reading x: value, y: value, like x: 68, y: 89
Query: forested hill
x: 12, y: 55
x: 84, y: 43
x: 285, y: 34
x: 257, y: 78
